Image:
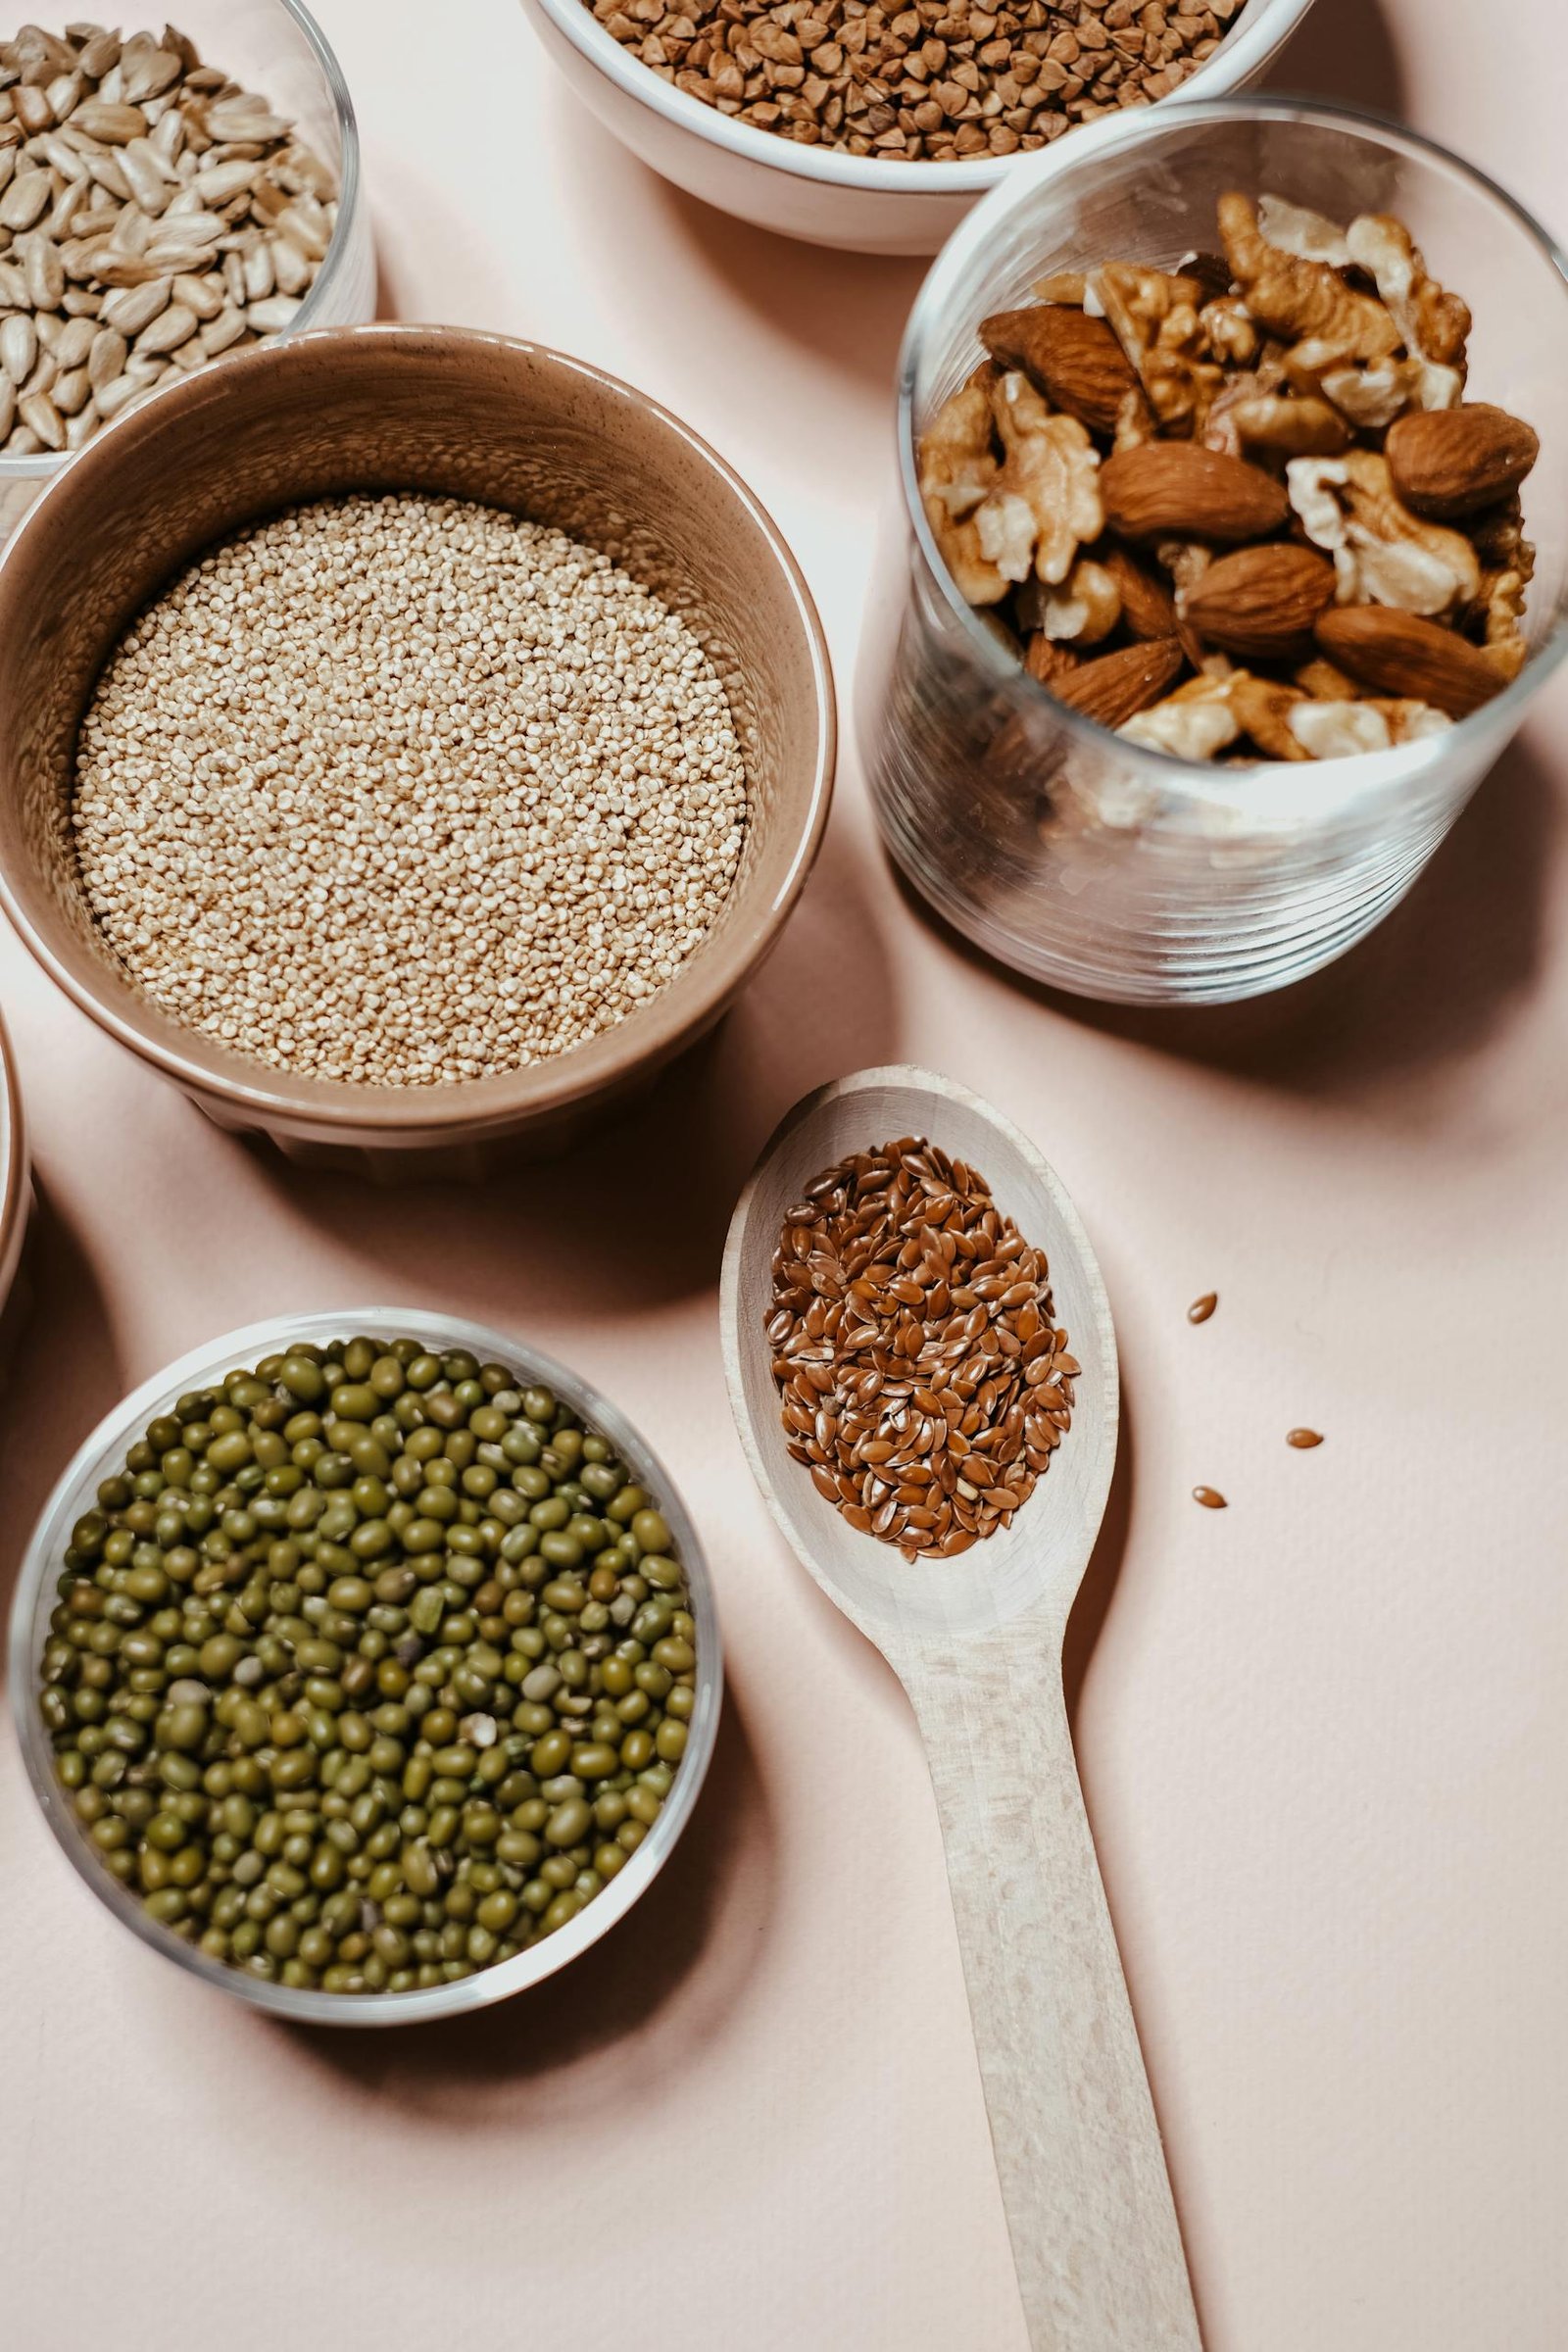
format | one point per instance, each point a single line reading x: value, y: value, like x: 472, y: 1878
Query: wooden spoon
x: 976, y: 1643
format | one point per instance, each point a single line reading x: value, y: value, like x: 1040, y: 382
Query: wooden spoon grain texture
x: 977, y: 1644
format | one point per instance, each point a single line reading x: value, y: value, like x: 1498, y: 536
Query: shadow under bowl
x: 445, y: 412
x: 103, y: 1454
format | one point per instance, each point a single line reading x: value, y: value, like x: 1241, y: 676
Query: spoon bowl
x: 976, y: 1642
x: 1037, y: 1563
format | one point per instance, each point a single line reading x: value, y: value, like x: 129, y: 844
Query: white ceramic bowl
x: 104, y: 1452
x: 815, y: 192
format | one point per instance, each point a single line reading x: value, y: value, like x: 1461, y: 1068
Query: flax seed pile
x: 936, y: 82
x: 406, y: 791
x: 925, y: 1383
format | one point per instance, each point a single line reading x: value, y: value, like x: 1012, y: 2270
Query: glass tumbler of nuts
x: 1231, y: 544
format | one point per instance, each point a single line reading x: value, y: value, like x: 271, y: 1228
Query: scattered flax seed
x: 1202, y: 1309
x: 406, y: 791
x: 1304, y: 1438
x: 1211, y: 1498
x: 925, y: 1383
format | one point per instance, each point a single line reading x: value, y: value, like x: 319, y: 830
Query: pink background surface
x: 1323, y: 1734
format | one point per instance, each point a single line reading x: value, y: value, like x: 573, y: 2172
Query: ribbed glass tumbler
x: 1071, y: 855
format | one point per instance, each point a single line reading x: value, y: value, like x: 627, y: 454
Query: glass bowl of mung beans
x: 366, y: 1665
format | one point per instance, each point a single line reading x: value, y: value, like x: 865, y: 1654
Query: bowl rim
x: 46, y: 463
x: 1263, y: 27
x: 487, y: 1986
x: 1360, y: 775
x: 15, y: 1165
x: 338, y: 1109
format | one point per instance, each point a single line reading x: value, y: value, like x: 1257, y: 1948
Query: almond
x: 1074, y: 359
x: 1049, y: 660
x: 1260, y: 602
x: 1175, y: 489
x: 1397, y: 653
x: 1146, y: 605
x: 1115, y: 686
x: 1451, y: 461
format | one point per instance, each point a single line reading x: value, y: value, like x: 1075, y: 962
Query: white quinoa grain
x: 406, y: 791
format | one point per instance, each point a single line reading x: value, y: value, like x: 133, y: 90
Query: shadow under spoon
x: 976, y: 1642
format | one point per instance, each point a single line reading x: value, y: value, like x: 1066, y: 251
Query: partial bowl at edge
x: 280, y: 51
x: 822, y: 194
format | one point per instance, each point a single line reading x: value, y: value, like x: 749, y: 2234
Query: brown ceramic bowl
x: 450, y: 414
x: 16, y: 1189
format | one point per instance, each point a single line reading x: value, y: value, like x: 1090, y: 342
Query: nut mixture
x: 1243, y: 508
x: 370, y: 1667
x: 153, y: 216
x: 406, y: 791
x: 925, y: 1383
x: 929, y: 83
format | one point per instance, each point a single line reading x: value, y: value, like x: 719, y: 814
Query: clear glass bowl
x: 1078, y: 858
x: 104, y: 1452
x: 276, y: 48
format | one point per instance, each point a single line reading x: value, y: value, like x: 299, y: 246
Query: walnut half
x: 1383, y: 553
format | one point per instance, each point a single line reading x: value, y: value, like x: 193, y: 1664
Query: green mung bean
x: 370, y: 1669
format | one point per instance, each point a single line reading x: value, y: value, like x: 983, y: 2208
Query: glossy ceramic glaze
x: 453, y: 413
x: 817, y: 193
x: 16, y: 1189
x: 103, y: 1454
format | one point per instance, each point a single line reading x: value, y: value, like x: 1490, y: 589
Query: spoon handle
x: 1088, y: 2199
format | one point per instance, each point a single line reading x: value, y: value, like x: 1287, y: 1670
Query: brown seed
x: 885, y: 1444
x: 1304, y: 1438
x: 1202, y: 1309
x: 1210, y: 1498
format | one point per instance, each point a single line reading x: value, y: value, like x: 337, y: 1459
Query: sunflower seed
x: 32, y: 110
x: 26, y: 200
x: 204, y: 295
x: 119, y: 395
x: 44, y: 272
x: 131, y: 308
x: 239, y: 120
x: 41, y: 417
x: 100, y: 54
x: 147, y: 73
x: 74, y: 339
x: 269, y: 317
x: 106, y: 357
x: 168, y: 332
x: 18, y: 348
x: 259, y: 270
x: 305, y: 224
x: 223, y: 332
x: 72, y: 391
x: 221, y: 181
x: 113, y: 124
